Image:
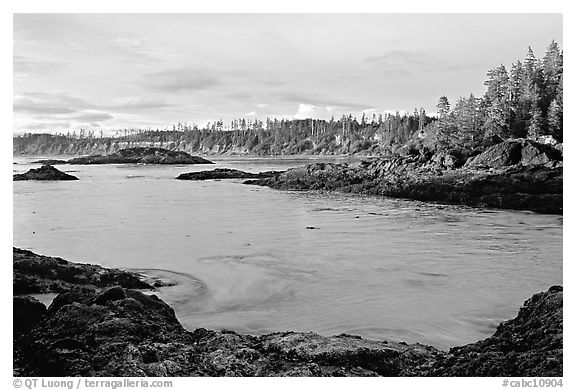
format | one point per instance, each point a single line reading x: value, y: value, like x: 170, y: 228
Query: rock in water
x: 518, y: 184
x: 46, y: 172
x: 142, y: 155
x: 226, y: 173
x: 49, y: 162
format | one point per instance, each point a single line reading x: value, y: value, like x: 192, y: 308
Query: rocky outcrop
x: 121, y: 332
x: 516, y: 151
x: 226, y: 173
x: 142, y: 155
x: 46, y: 172
x: 529, y: 345
x: 116, y: 332
x: 50, y: 162
x: 27, y: 312
x: 33, y: 273
x: 536, y: 187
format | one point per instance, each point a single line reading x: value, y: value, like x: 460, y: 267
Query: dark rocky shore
x: 514, y: 174
x: 94, y: 328
x: 226, y: 173
x: 50, y: 162
x: 33, y: 274
x: 46, y: 172
x: 142, y: 155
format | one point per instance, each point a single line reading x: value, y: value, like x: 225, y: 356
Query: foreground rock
x: 46, y: 172
x: 226, y: 173
x: 33, y: 273
x: 143, y: 156
x: 529, y: 345
x: 536, y: 187
x: 27, y: 312
x: 122, y: 332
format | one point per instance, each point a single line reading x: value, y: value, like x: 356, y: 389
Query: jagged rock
x: 27, y: 312
x: 226, y: 173
x: 532, y: 187
x: 35, y: 273
x: 529, y: 345
x: 511, y: 152
x: 122, y: 332
x: 46, y: 172
x: 447, y: 159
x: 83, y: 334
x: 142, y: 155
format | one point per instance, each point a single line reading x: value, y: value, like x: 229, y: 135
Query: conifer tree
x: 536, y: 127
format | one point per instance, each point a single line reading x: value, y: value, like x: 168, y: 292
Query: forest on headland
x: 522, y: 101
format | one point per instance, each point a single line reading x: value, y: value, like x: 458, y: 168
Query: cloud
x: 142, y: 103
x: 407, y: 62
x: 251, y: 113
x: 52, y: 102
x: 321, y: 100
x: 239, y: 95
x: 306, y: 111
x: 181, y: 80
x: 25, y: 65
x: 93, y: 117
x: 30, y: 106
x: 54, y: 125
x: 398, y: 59
x: 142, y: 51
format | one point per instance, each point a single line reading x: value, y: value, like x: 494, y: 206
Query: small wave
x: 188, y: 286
x: 433, y: 274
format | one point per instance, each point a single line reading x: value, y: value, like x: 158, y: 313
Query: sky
x: 104, y: 72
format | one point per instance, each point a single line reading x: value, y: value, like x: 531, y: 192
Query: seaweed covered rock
x: 530, y: 186
x: 121, y: 332
x: 46, y: 172
x: 116, y: 331
x: 35, y: 273
x: 88, y: 333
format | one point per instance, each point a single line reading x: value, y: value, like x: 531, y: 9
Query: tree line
x: 525, y: 101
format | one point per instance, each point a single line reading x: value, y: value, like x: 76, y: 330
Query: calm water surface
x: 243, y: 258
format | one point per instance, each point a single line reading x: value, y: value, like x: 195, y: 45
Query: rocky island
x: 46, y: 172
x: 101, y: 324
x: 514, y: 174
x: 226, y: 173
x: 142, y: 155
x: 50, y: 162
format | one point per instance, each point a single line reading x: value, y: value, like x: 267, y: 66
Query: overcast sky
x: 106, y: 71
